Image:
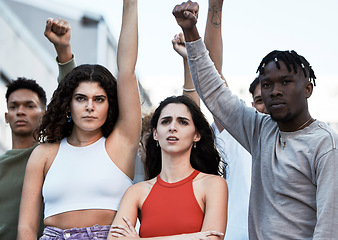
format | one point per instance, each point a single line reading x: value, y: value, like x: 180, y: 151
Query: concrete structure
x: 26, y: 52
x: 20, y: 55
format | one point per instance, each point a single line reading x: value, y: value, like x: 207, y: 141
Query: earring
x: 157, y: 145
x: 194, y: 144
x: 69, y: 117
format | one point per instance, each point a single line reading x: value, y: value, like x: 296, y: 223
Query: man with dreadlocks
x: 294, y: 187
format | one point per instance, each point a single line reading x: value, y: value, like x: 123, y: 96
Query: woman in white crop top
x: 90, y: 136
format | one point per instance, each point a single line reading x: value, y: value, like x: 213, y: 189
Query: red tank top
x: 170, y: 209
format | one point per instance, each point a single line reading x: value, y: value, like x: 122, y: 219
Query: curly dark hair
x: 30, y: 84
x: 204, y: 157
x: 54, y: 124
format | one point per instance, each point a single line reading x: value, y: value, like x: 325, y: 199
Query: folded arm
x: 214, y: 191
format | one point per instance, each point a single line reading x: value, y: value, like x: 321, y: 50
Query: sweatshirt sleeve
x: 65, y: 68
x: 327, y: 195
x: 241, y: 121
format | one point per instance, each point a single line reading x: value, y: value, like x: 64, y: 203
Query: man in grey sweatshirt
x: 294, y: 191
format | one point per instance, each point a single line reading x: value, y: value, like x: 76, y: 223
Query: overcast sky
x: 251, y: 29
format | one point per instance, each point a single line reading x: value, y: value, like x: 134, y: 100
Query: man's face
x: 285, y: 93
x: 258, y: 101
x: 24, y: 112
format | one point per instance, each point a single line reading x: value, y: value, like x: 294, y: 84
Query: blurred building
x: 26, y: 52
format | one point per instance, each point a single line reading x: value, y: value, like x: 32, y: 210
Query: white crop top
x: 83, y: 178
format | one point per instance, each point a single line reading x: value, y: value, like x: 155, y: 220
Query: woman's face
x: 175, y: 129
x: 89, y: 106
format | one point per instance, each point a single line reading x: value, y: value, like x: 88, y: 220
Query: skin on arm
x: 31, y: 200
x: 186, y: 15
x: 213, y: 39
x: 216, y: 205
x: 123, y: 143
x: 215, y: 199
x: 129, y: 206
x: 188, y: 86
x: 187, y: 19
x: 214, y: 44
x: 58, y: 32
x: 213, y: 34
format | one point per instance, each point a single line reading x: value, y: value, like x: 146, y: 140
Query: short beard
x: 286, y: 118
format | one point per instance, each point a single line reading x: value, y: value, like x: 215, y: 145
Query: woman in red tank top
x: 184, y: 196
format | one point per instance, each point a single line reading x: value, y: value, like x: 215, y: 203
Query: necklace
x: 304, y: 124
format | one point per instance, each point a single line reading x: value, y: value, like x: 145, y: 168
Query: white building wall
x: 20, y: 57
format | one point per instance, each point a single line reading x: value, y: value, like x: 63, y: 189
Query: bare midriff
x: 81, y: 218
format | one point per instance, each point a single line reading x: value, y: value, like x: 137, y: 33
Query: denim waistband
x: 94, y: 232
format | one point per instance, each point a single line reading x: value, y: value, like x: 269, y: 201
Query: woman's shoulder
x: 210, y: 180
x: 45, y: 152
x: 42, y: 157
x: 139, y: 191
x: 211, y: 187
x: 143, y: 186
x: 47, y: 148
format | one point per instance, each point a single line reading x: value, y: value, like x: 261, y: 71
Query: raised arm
x: 213, y: 42
x: 213, y: 34
x: 186, y: 16
x: 213, y: 39
x: 58, y: 32
x: 188, y: 86
x: 127, y: 131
